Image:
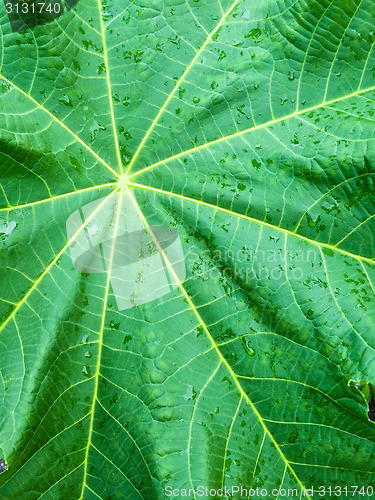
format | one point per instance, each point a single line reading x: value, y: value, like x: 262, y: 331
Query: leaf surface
x: 248, y: 128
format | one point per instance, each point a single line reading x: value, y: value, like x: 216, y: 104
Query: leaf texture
x: 248, y: 128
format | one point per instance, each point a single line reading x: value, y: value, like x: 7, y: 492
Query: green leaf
x: 187, y: 233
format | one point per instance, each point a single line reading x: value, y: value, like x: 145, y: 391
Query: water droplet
x: 248, y: 347
x: 86, y: 370
x: 312, y: 221
x: 6, y: 229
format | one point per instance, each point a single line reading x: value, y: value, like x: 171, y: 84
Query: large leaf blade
x: 101, y: 402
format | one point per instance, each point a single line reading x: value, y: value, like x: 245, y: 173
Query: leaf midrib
x: 179, y: 82
x: 190, y: 151
x: 61, y: 123
x: 269, y: 123
x: 109, y: 87
x: 57, y: 197
x: 100, y: 345
x: 222, y: 359
x: 251, y: 219
x: 55, y: 259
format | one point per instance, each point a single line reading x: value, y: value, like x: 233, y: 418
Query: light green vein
x: 101, y: 334
x: 228, y: 440
x: 251, y: 219
x: 284, y: 423
x: 182, y: 78
x: 60, y: 480
x: 108, y: 78
x: 332, y: 467
x: 355, y: 229
x: 72, y: 386
x: 222, y: 359
x: 338, y: 305
x: 120, y: 13
x: 54, y: 198
x: 251, y: 129
x: 62, y: 124
x: 92, y: 491
x: 368, y: 277
x: 327, y: 193
x: 130, y: 436
x: 52, y: 263
x: 308, y: 49
x: 119, y: 470
x: 338, y: 48
x: 259, y: 453
x: 77, y: 422
x: 192, y: 421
